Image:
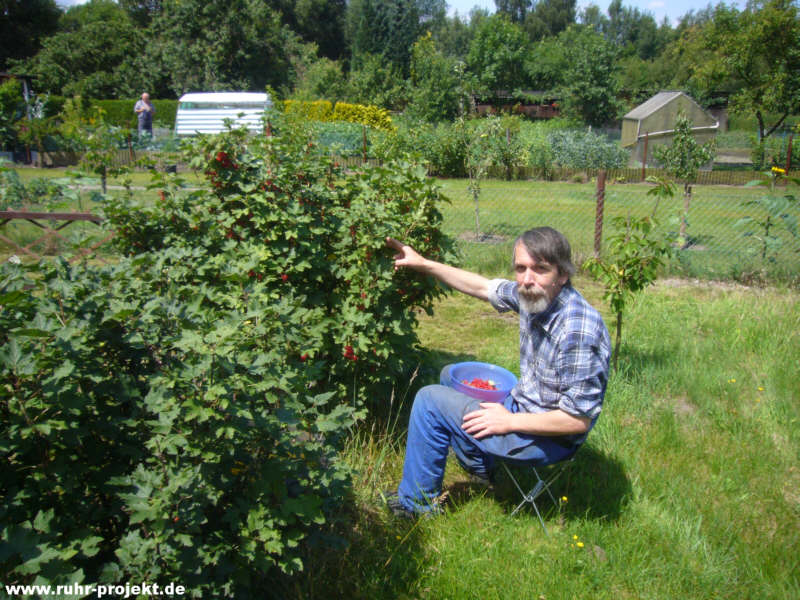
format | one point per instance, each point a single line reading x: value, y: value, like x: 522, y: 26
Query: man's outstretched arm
x: 464, y: 281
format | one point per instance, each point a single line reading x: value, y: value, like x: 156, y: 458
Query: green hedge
x: 325, y: 111
x: 120, y: 112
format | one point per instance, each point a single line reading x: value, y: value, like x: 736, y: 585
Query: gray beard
x: 533, y: 303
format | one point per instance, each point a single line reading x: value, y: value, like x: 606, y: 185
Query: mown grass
x: 88, y: 199
x: 718, y: 248
x: 687, y: 487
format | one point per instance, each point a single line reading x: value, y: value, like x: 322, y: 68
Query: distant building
x: 652, y: 124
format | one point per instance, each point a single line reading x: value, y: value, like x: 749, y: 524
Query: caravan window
x: 221, y: 105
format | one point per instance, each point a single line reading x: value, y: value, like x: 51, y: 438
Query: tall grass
x: 687, y: 487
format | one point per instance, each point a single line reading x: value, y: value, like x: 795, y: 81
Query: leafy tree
x: 630, y: 262
x: 317, y: 21
x: 321, y: 78
x: 23, y: 26
x: 453, y: 37
x: 759, y: 49
x: 682, y: 159
x: 515, y: 10
x: 774, y: 213
x: 497, y: 54
x: 386, y: 28
x: 12, y: 109
x: 91, y: 56
x: 546, y: 64
x: 629, y: 29
x: 216, y: 44
x: 589, y: 88
x: 378, y: 83
x: 141, y: 12
x: 549, y: 18
x: 435, y: 92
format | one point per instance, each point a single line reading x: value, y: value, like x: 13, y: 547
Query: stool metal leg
x: 529, y: 497
x: 542, y: 485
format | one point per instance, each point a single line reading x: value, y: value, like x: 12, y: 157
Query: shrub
x: 372, y: 116
x: 317, y: 110
x: 175, y: 417
x: 586, y: 150
x: 12, y: 109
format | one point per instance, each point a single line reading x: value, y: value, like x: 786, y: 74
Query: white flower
x: 14, y: 259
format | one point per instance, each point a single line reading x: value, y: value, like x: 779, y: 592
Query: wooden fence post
x: 598, y: 220
x: 789, y: 154
x: 364, y: 143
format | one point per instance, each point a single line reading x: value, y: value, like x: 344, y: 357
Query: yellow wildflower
x: 760, y: 389
x: 563, y: 498
x: 574, y: 537
x: 580, y: 544
x: 778, y: 171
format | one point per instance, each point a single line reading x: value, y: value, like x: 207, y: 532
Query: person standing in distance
x: 145, y: 110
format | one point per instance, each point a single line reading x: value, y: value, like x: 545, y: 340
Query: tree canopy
x: 411, y: 53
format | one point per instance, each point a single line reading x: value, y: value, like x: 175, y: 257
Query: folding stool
x: 541, y: 485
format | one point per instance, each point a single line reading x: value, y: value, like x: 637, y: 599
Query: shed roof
x: 652, y: 105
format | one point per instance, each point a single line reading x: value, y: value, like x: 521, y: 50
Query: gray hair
x: 545, y: 244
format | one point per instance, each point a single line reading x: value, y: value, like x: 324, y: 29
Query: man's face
x: 145, y: 97
x: 539, y: 281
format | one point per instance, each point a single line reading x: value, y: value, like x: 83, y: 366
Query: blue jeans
x: 435, y: 427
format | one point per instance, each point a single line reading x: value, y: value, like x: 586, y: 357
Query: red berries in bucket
x: 481, y: 384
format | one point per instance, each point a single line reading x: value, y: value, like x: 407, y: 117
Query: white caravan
x: 206, y: 112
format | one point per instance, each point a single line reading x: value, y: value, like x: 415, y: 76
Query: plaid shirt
x: 564, y: 353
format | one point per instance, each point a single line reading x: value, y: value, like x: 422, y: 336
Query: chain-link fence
x: 719, y: 241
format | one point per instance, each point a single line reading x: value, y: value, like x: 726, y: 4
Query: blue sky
x: 672, y: 9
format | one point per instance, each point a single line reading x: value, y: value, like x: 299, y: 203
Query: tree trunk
x: 687, y: 198
x: 618, y: 340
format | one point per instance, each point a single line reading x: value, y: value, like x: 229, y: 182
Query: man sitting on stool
x: 564, y: 360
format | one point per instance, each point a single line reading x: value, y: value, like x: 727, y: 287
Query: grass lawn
x: 138, y: 178
x: 718, y: 247
x: 687, y: 487
x: 86, y: 197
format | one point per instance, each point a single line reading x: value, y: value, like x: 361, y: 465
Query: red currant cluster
x: 479, y: 383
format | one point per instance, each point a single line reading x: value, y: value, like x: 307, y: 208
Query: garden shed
x: 652, y: 124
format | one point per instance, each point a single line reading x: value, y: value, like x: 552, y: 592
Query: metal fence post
x: 644, y: 158
x: 598, y: 219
